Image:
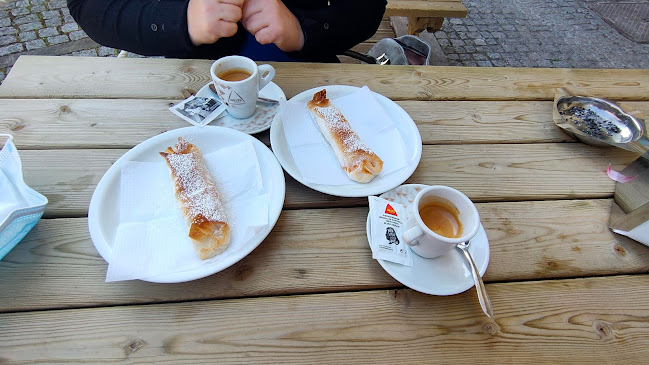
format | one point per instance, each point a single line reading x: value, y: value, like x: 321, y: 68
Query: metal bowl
x: 599, y: 122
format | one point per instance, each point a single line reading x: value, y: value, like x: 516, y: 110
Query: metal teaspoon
x: 483, y: 297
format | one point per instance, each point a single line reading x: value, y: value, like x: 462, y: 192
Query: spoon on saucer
x: 483, y: 297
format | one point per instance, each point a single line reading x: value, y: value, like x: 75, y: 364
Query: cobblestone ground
x: 538, y: 33
x: 496, y: 33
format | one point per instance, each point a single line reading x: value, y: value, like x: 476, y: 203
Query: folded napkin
x: 152, y: 239
x: 314, y: 156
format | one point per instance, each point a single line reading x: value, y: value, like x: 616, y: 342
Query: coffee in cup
x: 234, y: 74
x: 443, y: 218
x: 237, y: 81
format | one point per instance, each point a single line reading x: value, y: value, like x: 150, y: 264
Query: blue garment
x: 263, y: 52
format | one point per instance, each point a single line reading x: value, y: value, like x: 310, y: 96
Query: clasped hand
x: 270, y: 21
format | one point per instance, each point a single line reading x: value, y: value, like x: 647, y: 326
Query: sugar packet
x: 388, y: 220
x: 199, y: 110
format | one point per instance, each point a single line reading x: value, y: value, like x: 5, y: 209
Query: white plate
x: 258, y: 122
x: 380, y: 184
x: 445, y: 275
x: 103, y: 213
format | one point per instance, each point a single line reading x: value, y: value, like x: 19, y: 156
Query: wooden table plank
x: 590, y: 320
x: 424, y: 8
x: 101, y: 77
x: 488, y: 172
x: 84, y: 123
x: 56, y: 265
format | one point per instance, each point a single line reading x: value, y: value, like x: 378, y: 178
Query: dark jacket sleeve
x: 338, y: 27
x: 146, y: 27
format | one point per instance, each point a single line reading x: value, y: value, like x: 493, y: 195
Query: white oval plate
x: 103, y: 213
x: 380, y: 184
x: 445, y: 275
x: 258, y: 122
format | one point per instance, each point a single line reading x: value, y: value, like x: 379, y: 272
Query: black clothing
x: 159, y: 27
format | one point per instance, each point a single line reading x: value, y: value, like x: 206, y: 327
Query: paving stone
x: 51, y: 14
x: 107, y: 51
x: 57, y: 4
x: 6, y: 39
x: 12, y: 48
x: 37, y: 8
x: 58, y: 39
x: 480, y: 57
x: 27, y: 36
x: 53, y: 22
x: 70, y: 27
x: 8, y: 30
x: 48, y: 32
x: 30, y: 26
x: 35, y: 44
x: 19, y: 11
x: 85, y: 53
x: 5, y: 22
x: 79, y: 34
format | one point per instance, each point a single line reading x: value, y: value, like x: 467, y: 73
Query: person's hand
x: 270, y: 21
x: 209, y: 20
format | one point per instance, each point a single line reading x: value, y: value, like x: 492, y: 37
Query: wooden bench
x: 425, y: 14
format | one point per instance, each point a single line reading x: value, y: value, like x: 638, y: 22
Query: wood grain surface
x: 535, y: 322
x: 57, y: 266
x: 85, y: 123
x: 424, y: 8
x: 565, y: 289
x: 146, y: 78
x: 485, y: 172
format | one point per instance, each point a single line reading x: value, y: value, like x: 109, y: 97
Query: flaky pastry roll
x: 198, y: 198
x: 359, y: 162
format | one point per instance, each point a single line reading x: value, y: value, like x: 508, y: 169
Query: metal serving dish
x: 599, y: 122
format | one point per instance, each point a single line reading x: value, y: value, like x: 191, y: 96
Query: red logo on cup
x: 390, y: 210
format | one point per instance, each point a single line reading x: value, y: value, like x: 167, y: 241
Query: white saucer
x: 403, y: 122
x: 258, y: 122
x: 445, y: 275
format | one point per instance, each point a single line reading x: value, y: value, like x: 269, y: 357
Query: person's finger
x: 254, y: 23
x: 238, y: 3
x: 225, y: 28
x: 254, y: 6
x: 229, y: 12
x: 266, y: 35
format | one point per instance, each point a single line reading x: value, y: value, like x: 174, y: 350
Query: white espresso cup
x: 237, y: 80
x: 429, y: 244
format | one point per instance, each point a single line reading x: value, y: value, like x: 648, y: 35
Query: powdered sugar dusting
x: 197, y: 190
x: 338, y: 125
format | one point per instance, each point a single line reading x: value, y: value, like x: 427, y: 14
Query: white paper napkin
x: 312, y: 153
x: 640, y: 233
x: 152, y: 235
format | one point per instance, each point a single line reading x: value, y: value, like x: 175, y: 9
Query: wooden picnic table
x: 565, y: 289
x: 425, y: 14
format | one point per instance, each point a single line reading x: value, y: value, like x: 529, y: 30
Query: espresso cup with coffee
x: 237, y: 80
x: 443, y: 218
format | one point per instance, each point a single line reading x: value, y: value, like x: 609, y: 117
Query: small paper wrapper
x: 314, y: 156
x: 199, y: 110
x: 152, y: 238
x: 388, y: 221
